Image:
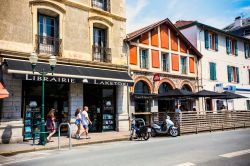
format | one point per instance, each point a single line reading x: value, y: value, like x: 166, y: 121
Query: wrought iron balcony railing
x: 102, y: 5
x: 101, y: 54
x: 48, y: 45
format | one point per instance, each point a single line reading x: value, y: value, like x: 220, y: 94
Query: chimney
x: 238, y: 22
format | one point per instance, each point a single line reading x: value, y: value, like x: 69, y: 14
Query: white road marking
x: 185, y: 164
x: 234, y: 154
x: 18, y: 161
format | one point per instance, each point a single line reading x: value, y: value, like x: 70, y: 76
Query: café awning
x: 68, y: 73
x: 3, y: 92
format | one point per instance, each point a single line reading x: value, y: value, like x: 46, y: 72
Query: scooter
x: 139, y: 129
x: 167, y: 127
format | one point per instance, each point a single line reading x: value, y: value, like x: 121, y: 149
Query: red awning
x: 3, y: 92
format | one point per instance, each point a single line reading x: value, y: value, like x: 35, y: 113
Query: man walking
x: 85, y: 121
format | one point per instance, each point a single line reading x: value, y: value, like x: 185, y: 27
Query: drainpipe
x: 128, y: 96
x: 202, y: 99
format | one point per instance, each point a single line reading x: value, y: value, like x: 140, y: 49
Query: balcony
x: 101, y: 5
x: 101, y: 54
x: 48, y: 45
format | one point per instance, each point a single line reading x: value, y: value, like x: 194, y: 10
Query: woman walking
x: 50, y: 124
x: 78, y: 122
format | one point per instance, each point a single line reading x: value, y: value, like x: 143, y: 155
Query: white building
x: 225, y: 64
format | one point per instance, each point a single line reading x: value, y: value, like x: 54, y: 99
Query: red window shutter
x: 191, y: 65
x: 155, y: 59
x: 154, y: 37
x: 164, y: 37
x: 133, y: 55
x: 174, y: 42
x: 183, y: 47
x: 175, y: 62
x: 144, y: 39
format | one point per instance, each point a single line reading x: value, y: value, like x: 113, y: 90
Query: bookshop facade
x: 105, y: 92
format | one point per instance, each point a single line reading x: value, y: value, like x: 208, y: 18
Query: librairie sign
x: 30, y: 77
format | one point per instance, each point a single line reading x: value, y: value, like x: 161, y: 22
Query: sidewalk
x: 9, y: 149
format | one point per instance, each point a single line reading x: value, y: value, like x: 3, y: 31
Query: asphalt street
x: 227, y: 148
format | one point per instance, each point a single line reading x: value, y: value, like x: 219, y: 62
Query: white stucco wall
x: 222, y: 59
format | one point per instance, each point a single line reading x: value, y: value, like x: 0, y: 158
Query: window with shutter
x: 212, y: 67
x: 206, y: 39
x: 229, y: 73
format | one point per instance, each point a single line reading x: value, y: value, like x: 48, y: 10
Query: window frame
x: 183, y: 66
x: 146, y: 58
x: 214, y: 69
x: 165, y: 58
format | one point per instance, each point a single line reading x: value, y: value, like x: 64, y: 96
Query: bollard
x: 59, y: 135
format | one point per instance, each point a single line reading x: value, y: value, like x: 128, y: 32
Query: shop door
x: 101, y: 103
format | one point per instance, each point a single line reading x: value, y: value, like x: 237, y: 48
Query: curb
x: 41, y: 148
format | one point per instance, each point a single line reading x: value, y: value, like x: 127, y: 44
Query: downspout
x: 202, y: 100
x: 128, y: 95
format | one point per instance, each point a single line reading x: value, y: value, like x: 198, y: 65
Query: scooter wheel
x: 173, y: 132
x: 145, y: 136
x: 153, y: 133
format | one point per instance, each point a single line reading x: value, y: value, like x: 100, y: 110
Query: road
x: 227, y: 148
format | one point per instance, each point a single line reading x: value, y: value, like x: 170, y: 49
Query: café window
x: 164, y: 88
x: 142, y: 104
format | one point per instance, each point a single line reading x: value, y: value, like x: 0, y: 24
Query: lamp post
x: 33, y: 59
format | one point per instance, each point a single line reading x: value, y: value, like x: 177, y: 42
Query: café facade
x: 160, y: 59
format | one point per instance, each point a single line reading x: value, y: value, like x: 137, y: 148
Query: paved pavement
x: 228, y: 148
x: 7, y: 149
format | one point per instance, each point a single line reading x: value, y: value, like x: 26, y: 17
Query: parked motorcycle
x: 167, y: 127
x: 139, y: 129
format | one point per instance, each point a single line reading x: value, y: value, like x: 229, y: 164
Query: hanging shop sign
x: 157, y: 77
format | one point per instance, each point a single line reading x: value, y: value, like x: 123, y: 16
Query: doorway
x: 101, y: 101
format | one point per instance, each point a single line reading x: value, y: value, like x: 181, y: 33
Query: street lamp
x: 33, y: 59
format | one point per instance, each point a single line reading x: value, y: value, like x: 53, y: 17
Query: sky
x: 216, y: 13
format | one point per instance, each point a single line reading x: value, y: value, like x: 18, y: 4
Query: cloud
x: 245, y: 9
x: 138, y: 24
x: 134, y: 9
x: 135, y: 20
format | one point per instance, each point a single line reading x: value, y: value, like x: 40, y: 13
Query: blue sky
x: 217, y: 13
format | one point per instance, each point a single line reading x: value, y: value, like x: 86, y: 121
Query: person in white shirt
x: 85, y: 121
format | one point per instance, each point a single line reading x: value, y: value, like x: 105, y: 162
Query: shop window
x: 144, y: 59
x: 165, y: 62
x: 102, y: 4
x: 183, y: 65
x: 187, y: 88
x: 164, y: 88
x: 48, y: 33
